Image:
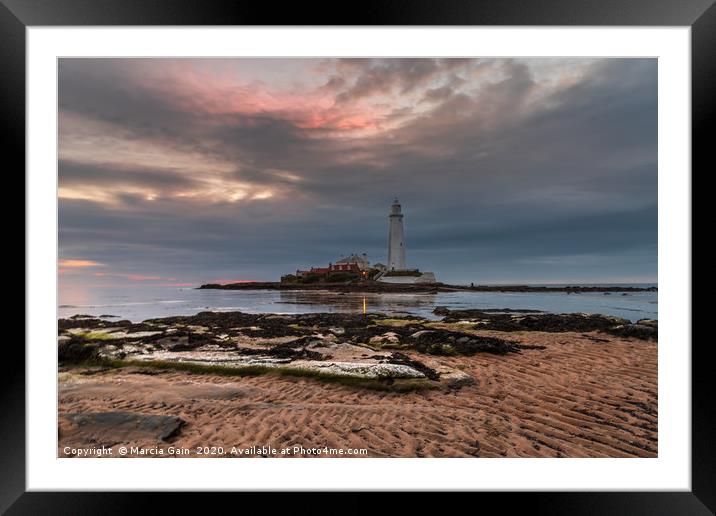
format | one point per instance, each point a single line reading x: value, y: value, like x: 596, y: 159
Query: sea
x: 142, y: 302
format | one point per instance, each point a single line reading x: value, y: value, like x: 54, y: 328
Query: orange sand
x: 580, y: 397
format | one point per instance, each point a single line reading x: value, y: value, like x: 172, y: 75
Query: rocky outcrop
x: 642, y: 329
x: 320, y: 345
x: 109, y: 428
x: 368, y: 346
x: 365, y: 370
x: 442, y: 342
x: 513, y: 321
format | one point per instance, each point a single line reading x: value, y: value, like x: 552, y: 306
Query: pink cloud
x: 220, y: 89
x: 76, y: 263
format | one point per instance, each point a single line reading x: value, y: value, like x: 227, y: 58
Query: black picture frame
x: 16, y: 15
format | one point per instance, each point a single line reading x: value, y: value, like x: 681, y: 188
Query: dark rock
x: 554, y: 323
x: 638, y: 330
x: 295, y: 349
x: 445, y: 342
x: 176, y: 342
x: 402, y: 359
x: 117, y: 427
x: 481, y: 313
x: 89, y: 322
x: 183, y: 333
x: 420, y: 334
x: 74, y: 350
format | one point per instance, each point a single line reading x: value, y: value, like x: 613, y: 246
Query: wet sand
x: 585, y: 395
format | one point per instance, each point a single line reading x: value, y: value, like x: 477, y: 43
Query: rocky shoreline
x: 371, y: 348
x: 369, y: 286
x: 534, y: 320
x: 473, y: 383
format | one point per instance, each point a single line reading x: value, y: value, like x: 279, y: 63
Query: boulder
x: 367, y: 370
x: 386, y: 338
x: 422, y: 333
x: 119, y: 427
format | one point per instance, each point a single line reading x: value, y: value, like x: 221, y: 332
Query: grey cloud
x: 489, y: 182
x: 437, y: 94
x: 80, y: 174
x: 403, y: 75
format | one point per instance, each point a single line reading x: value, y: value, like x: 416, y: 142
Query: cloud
x: 74, y: 264
x: 197, y: 169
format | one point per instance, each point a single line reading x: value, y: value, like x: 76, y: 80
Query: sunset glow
x: 73, y: 264
x: 173, y: 171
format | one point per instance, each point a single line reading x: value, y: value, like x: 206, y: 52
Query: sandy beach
x: 586, y: 394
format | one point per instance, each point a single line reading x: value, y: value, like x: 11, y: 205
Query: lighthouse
x: 396, y: 238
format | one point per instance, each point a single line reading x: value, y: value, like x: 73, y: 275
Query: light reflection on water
x: 139, y: 304
x: 355, y: 302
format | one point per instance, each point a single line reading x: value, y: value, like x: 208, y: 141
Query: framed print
x: 422, y: 249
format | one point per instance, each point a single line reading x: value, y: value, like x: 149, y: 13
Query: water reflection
x: 358, y: 302
x: 138, y: 304
x: 73, y: 295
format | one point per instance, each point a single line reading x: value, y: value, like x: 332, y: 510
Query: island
x: 371, y: 286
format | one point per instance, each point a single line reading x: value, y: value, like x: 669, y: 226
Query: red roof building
x: 344, y: 265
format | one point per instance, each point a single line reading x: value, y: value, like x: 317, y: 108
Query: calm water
x: 140, y: 303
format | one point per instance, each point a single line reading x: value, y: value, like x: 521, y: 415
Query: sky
x: 179, y: 172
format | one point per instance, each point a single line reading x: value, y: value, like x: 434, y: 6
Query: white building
x: 396, y: 238
x: 396, y: 270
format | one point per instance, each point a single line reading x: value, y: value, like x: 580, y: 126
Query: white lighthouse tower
x: 396, y: 238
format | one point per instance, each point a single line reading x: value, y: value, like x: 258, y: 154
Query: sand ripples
x: 580, y: 397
